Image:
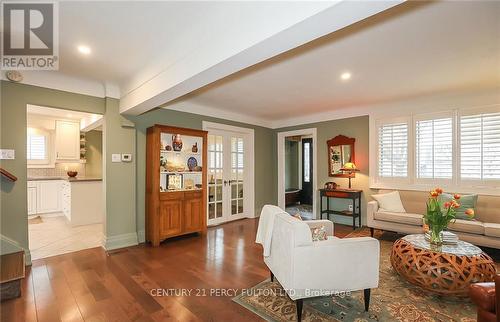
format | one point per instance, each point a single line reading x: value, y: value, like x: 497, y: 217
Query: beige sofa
x: 483, y: 231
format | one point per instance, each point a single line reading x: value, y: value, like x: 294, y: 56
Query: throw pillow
x: 466, y: 202
x: 390, y: 202
x: 297, y: 216
x: 318, y: 233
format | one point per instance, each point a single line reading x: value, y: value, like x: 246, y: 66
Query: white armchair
x: 310, y: 269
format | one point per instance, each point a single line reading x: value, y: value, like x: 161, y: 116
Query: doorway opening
x: 297, y: 180
x: 230, y: 173
x: 65, y: 188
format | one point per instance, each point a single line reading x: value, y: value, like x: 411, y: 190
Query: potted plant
x: 439, y: 214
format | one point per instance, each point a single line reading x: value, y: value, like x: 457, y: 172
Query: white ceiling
x: 132, y: 41
x: 407, y: 51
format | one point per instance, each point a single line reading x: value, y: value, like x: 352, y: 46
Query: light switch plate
x: 116, y: 157
x: 7, y: 154
x: 127, y: 157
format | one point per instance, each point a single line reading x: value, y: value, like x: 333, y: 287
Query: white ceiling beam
x: 206, y: 66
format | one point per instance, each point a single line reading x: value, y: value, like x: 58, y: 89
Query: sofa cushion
x: 398, y: 217
x: 390, y: 202
x: 491, y: 229
x: 465, y: 201
x: 467, y: 226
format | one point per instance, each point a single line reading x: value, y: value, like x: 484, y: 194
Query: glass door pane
x: 237, y: 175
x: 215, y: 176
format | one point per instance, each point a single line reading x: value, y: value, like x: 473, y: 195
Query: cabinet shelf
x: 181, y: 172
x: 180, y: 152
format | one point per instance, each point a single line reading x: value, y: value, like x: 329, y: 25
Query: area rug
x: 394, y: 300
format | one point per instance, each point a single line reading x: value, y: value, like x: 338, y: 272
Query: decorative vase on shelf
x: 439, y: 214
x: 177, y: 142
x: 194, y: 149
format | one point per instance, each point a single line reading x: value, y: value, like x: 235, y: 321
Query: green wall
x: 358, y: 128
x: 291, y: 164
x: 265, y: 155
x: 93, y: 154
x: 119, y: 178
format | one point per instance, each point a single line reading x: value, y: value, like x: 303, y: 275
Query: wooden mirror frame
x: 340, y: 140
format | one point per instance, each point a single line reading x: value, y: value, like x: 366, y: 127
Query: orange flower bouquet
x: 439, y: 214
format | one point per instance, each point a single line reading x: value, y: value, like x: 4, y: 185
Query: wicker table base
x: 439, y: 272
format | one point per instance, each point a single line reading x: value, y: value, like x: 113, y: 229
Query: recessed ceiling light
x: 345, y: 76
x: 84, y: 49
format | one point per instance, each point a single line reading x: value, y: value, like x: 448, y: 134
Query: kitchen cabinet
x: 67, y: 143
x: 48, y: 197
x: 81, y: 201
x: 31, y: 199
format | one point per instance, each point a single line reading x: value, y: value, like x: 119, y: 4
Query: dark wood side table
x: 352, y: 194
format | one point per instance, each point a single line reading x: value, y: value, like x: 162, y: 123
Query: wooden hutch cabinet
x: 176, y: 182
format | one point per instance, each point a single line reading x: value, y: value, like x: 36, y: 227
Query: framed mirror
x: 340, y: 152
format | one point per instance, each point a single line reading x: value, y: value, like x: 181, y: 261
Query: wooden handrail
x: 8, y: 175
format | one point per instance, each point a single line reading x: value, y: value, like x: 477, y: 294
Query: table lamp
x: 350, y: 169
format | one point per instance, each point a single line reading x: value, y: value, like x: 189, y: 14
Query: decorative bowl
x: 72, y: 174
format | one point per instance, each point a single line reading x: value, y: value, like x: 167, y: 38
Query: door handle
x: 225, y: 182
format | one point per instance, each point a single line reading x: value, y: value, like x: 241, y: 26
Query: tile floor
x: 54, y: 236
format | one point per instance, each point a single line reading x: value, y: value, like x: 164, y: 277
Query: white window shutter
x: 434, y: 148
x: 393, y: 150
x: 37, y: 147
x: 480, y: 146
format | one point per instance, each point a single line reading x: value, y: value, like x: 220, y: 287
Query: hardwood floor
x: 93, y: 285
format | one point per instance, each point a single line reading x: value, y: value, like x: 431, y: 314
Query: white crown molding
x: 120, y: 241
x: 205, y: 110
x: 62, y: 82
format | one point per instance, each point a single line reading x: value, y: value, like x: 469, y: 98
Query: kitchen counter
x: 76, y: 179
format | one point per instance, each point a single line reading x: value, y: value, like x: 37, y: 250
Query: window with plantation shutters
x: 434, y: 148
x: 480, y: 147
x: 37, y: 147
x: 393, y: 150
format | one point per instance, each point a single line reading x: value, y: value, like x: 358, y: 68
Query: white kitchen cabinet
x: 48, y: 196
x: 66, y: 199
x: 32, y: 200
x: 67, y: 140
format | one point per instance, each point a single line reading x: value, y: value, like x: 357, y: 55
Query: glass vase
x: 436, y: 236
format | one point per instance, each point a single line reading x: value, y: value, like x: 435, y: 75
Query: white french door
x: 229, y: 185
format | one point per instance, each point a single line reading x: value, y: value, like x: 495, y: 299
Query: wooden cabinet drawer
x: 192, y: 194
x: 174, y: 195
x: 337, y: 194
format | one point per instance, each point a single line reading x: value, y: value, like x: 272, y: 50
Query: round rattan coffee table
x: 445, y: 270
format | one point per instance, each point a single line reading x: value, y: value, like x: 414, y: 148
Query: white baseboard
x: 141, y: 236
x: 120, y: 241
